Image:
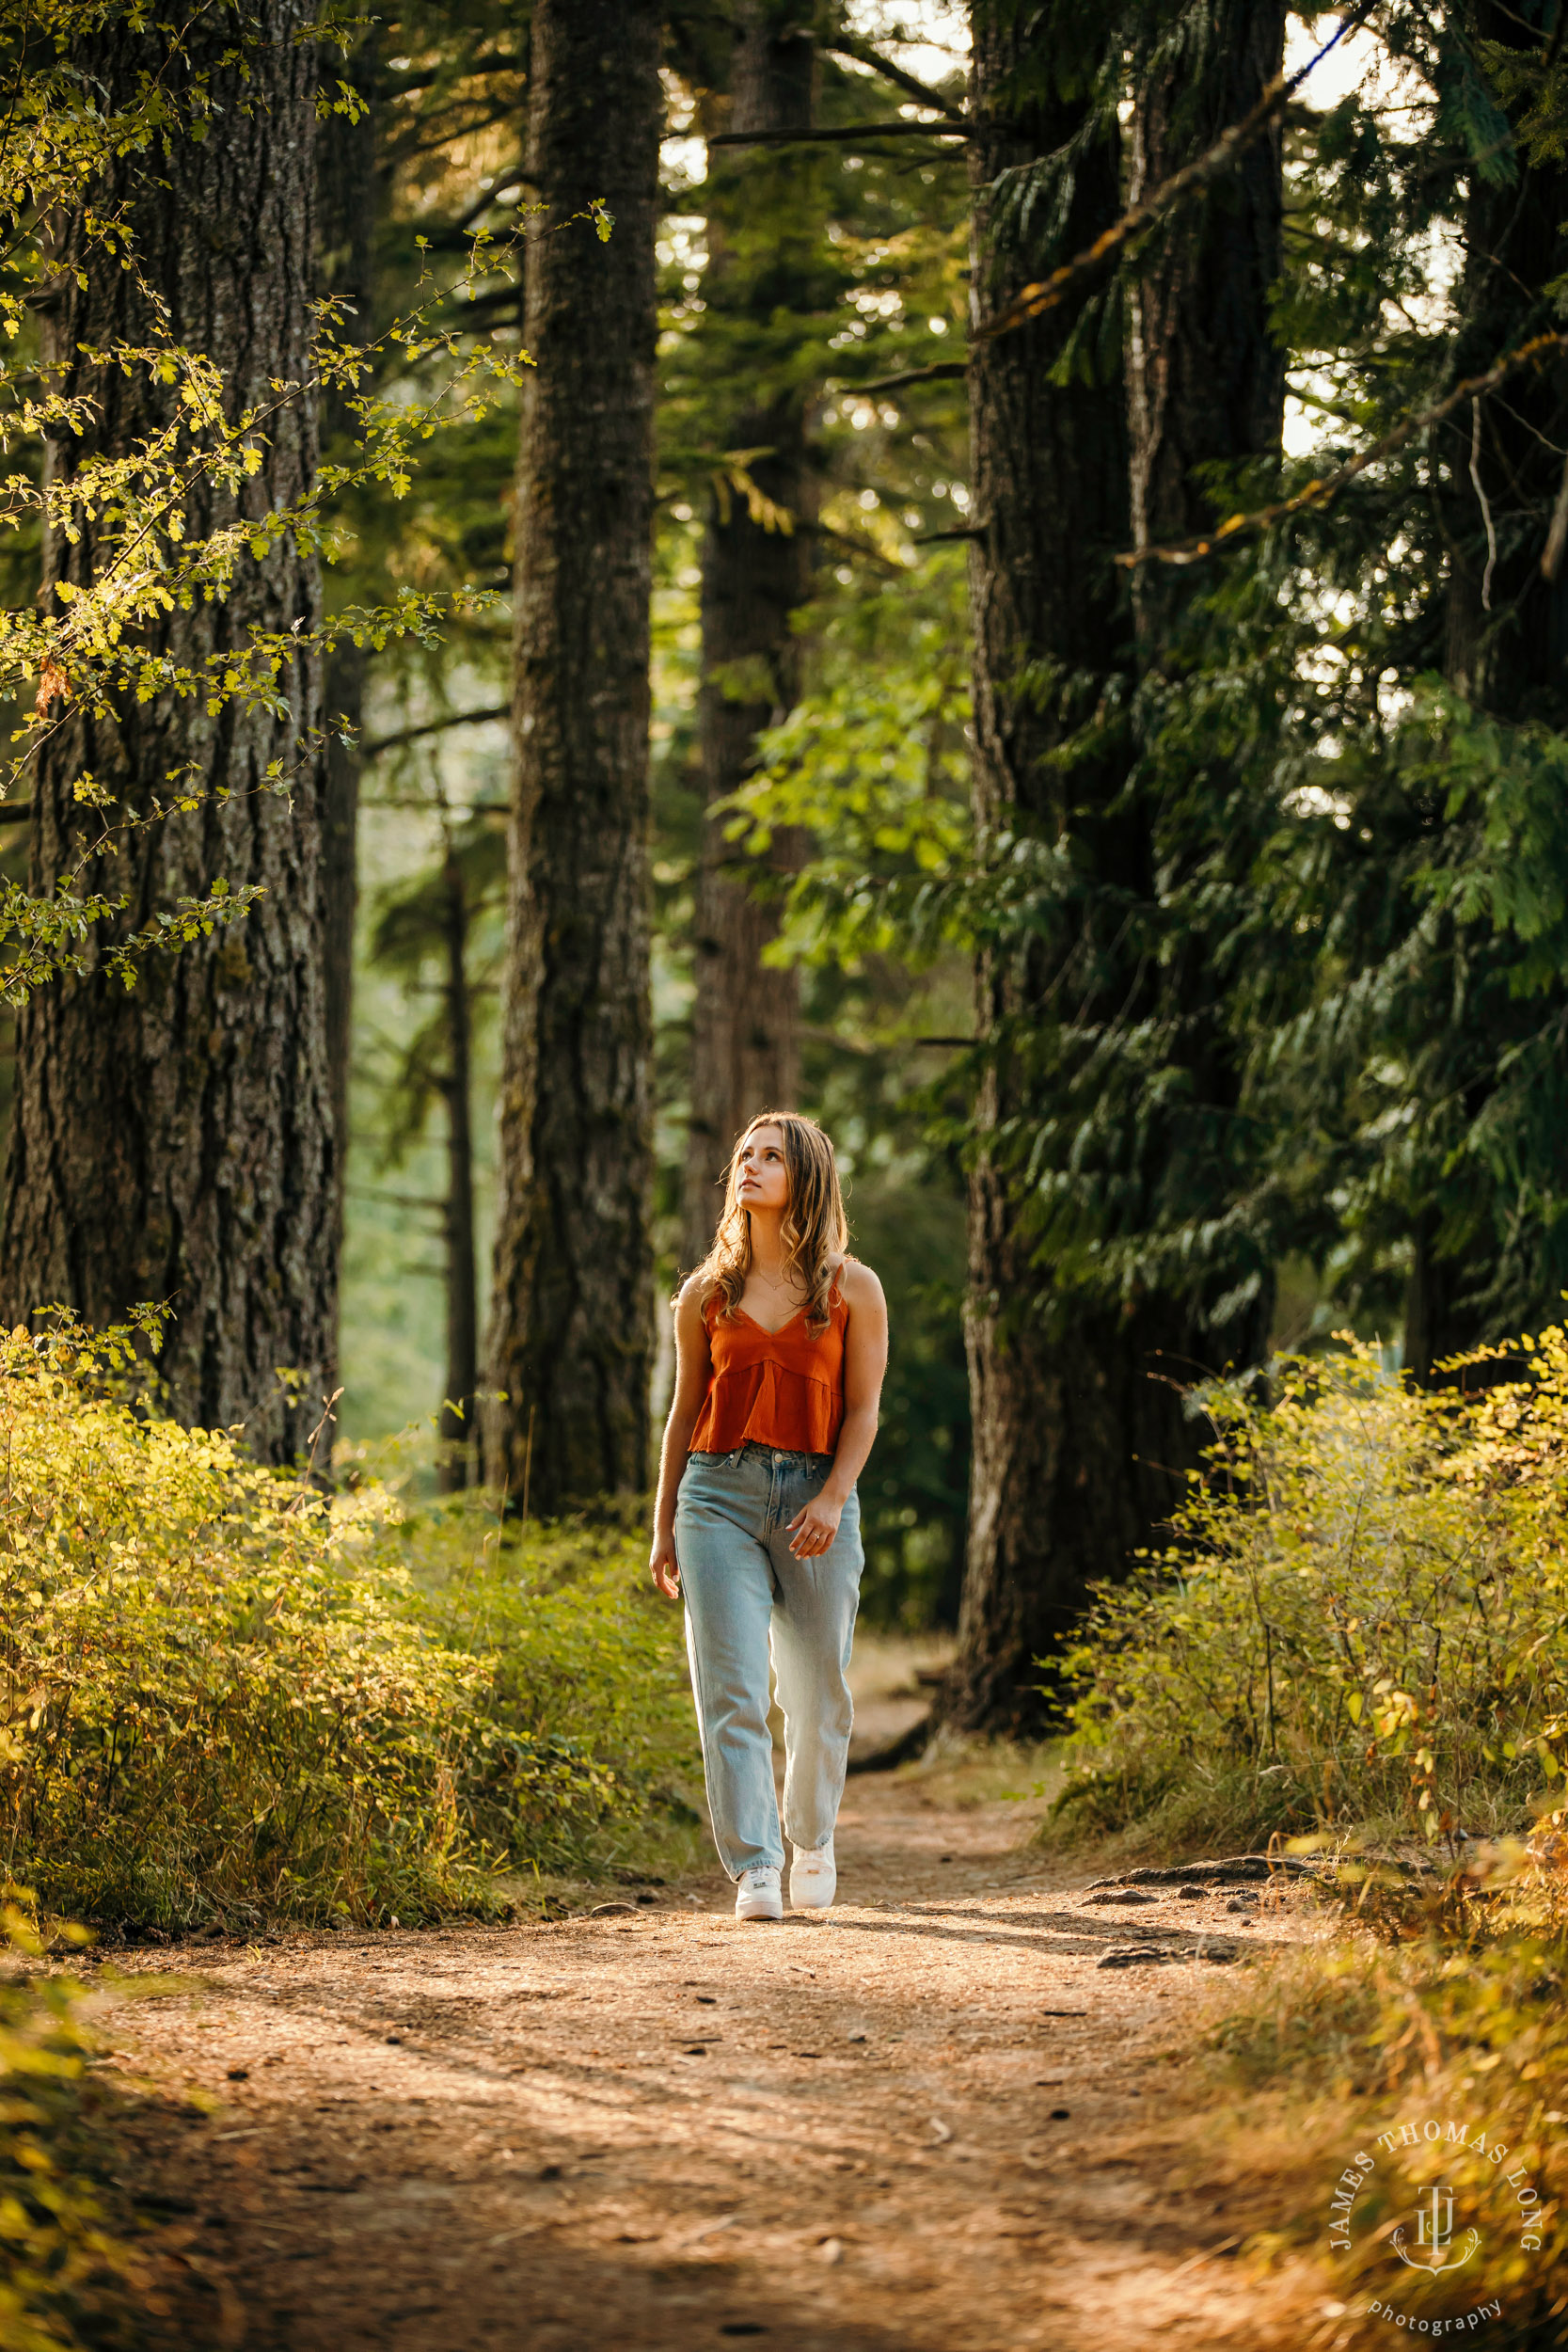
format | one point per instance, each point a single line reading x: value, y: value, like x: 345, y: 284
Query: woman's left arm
x: 816, y: 1524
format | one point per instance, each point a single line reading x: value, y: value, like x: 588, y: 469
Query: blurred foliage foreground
x: 229, y: 1697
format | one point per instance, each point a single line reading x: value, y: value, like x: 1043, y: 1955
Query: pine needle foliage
x: 1340, y: 765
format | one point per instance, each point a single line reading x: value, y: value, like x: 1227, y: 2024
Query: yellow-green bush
x: 226, y: 1693
x: 66, y: 2273
x: 1361, y: 1617
x: 1441, y: 2059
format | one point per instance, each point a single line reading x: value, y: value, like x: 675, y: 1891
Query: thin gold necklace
x: 784, y: 1288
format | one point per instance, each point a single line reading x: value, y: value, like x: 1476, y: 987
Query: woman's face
x: 762, y: 1178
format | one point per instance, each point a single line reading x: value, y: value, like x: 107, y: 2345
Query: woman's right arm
x: 692, y: 1371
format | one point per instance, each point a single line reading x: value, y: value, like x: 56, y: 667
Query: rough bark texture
x: 570, y: 1338
x: 1205, y: 387
x: 343, y: 708
x: 1205, y: 378
x: 745, y: 1050
x: 348, y: 204
x: 177, y: 1143
x: 1080, y: 1439
x: 1507, y: 654
x: 1050, y: 473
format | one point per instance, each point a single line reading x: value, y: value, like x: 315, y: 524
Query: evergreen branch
x: 434, y: 726
x: 1319, y: 493
x: 514, y: 177
x: 1047, y: 293
x: 1556, y: 536
x: 842, y: 131
x: 848, y: 541
x: 846, y: 45
x: 936, y: 373
x: 406, y: 85
x: 1485, y: 507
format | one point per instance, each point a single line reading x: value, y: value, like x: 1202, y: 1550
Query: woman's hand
x: 664, y: 1568
x: 813, y: 1527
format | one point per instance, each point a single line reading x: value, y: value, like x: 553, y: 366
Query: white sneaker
x: 757, y: 1894
x: 813, y: 1878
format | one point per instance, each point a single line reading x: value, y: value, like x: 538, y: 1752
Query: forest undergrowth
x: 1356, y: 1630
x: 231, y: 1701
x: 1422, y: 2046
x: 229, y: 1698
x: 1351, y: 1653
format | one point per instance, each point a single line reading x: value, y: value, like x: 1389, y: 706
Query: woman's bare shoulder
x: 689, y: 1300
x: 860, y: 1286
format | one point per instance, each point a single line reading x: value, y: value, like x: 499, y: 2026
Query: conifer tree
x: 1412, y: 1078
x: 1108, y: 1102
x: 1050, y: 475
x: 349, y: 189
x: 431, y: 923
x: 175, y: 1143
x: 1505, y: 635
x: 570, y: 1335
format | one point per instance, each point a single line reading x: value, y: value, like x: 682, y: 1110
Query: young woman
x: 780, y: 1345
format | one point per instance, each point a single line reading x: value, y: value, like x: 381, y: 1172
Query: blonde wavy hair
x: 814, y: 1228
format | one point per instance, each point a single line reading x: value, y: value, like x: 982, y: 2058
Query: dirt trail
x: 656, y: 2128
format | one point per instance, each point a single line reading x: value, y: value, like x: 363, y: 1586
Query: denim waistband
x: 769, y: 1454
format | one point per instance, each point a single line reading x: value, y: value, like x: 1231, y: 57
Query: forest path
x: 929, y: 2123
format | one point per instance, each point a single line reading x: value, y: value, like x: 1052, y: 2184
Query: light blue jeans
x: 748, y: 1595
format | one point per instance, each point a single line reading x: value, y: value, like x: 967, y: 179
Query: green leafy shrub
x: 225, y: 1694
x: 588, y: 1710
x: 1360, y: 1620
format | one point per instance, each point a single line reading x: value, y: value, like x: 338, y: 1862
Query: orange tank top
x: 782, y: 1388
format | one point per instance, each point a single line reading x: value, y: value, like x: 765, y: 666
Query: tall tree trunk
x: 1205, y: 376
x: 1205, y: 389
x: 570, y: 1338
x: 348, y: 207
x: 1048, y: 1487
x: 1080, y: 1439
x: 457, y: 1411
x: 1505, y: 651
x: 745, y: 1049
x: 343, y: 707
x: 177, y: 1143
